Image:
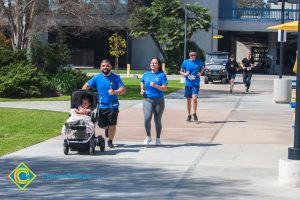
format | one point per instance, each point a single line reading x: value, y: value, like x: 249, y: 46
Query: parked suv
x: 215, y: 67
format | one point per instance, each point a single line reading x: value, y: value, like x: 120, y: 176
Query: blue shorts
x: 189, y: 91
x: 231, y: 76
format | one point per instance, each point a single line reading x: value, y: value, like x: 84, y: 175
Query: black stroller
x: 80, y: 139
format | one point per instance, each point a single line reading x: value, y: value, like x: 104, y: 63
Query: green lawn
x: 121, y: 71
x: 133, y: 88
x: 21, y: 128
x: 132, y: 93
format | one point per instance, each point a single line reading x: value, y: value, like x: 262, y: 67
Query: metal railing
x: 257, y: 14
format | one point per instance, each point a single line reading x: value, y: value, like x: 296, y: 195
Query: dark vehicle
x: 215, y: 67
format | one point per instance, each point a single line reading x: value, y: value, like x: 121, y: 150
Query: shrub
x: 19, y: 80
x: 5, y: 42
x: 9, y: 57
x: 65, y: 81
x: 49, y: 57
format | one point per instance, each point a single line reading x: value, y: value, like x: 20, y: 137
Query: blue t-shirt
x: 103, y: 83
x: 193, y: 67
x: 159, y: 78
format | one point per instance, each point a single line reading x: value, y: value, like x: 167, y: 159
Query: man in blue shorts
x: 192, y: 69
x: 109, y: 86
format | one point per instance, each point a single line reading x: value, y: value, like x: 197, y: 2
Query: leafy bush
x: 8, y: 57
x: 19, y: 80
x: 5, y: 42
x: 65, y: 81
x: 49, y: 57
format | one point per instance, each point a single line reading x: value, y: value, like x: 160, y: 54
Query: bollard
x: 282, y: 90
x: 128, y: 70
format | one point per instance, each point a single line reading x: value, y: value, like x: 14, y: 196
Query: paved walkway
x: 231, y: 153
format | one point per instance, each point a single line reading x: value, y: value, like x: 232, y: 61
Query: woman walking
x: 153, y: 84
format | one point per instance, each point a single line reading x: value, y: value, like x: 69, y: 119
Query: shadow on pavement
x: 167, y: 145
x: 87, y: 178
x: 219, y: 122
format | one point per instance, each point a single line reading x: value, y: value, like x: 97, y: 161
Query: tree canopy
x: 164, y: 22
x: 251, y: 3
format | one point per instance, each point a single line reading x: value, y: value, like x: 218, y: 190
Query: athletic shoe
x: 147, y: 140
x: 110, y: 144
x: 195, y: 117
x: 157, y: 142
x: 189, y: 118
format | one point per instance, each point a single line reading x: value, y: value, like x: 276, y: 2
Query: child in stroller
x: 80, y: 115
x: 79, y: 129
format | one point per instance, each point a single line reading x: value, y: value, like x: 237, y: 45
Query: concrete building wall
x: 241, y: 51
x: 202, y: 38
x: 143, y: 49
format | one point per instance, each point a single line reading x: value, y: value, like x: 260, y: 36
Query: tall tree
x: 251, y: 3
x: 164, y: 22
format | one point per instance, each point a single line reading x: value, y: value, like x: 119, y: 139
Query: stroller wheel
x: 92, y: 150
x: 102, y: 146
x: 66, y: 149
x: 101, y: 143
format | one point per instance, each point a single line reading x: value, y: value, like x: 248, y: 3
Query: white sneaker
x: 157, y: 142
x: 147, y: 140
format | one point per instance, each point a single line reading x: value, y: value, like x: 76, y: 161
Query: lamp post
x: 281, y: 41
x: 294, y: 152
x: 212, y: 39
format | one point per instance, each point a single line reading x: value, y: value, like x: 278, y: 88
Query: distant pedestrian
x: 192, y: 69
x: 247, y: 65
x: 153, y: 84
x: 232, y: 67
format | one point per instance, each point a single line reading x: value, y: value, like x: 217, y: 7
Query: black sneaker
x: 189, y: 118
x: 195, y: 117
x: 110, y: 144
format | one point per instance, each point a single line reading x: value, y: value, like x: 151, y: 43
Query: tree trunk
x: 117, y: 64
x: 159, y: 47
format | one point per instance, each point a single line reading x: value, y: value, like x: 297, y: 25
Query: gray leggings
x: 156, y: 106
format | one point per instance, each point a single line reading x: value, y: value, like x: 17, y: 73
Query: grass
x: 133, y: 88
x: 60, y: 98
x: 121, y: 71
x: 132, y: 93
x: 21, y: 128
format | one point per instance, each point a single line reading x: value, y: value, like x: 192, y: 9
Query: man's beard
x: 105, y: 71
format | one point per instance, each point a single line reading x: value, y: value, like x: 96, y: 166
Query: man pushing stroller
x: 109, y: 86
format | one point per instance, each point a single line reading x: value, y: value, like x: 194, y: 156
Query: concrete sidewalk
x: 231, y: 153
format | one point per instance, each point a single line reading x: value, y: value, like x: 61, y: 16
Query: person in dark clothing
x: 232, y: 67
x: 247, y: 65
